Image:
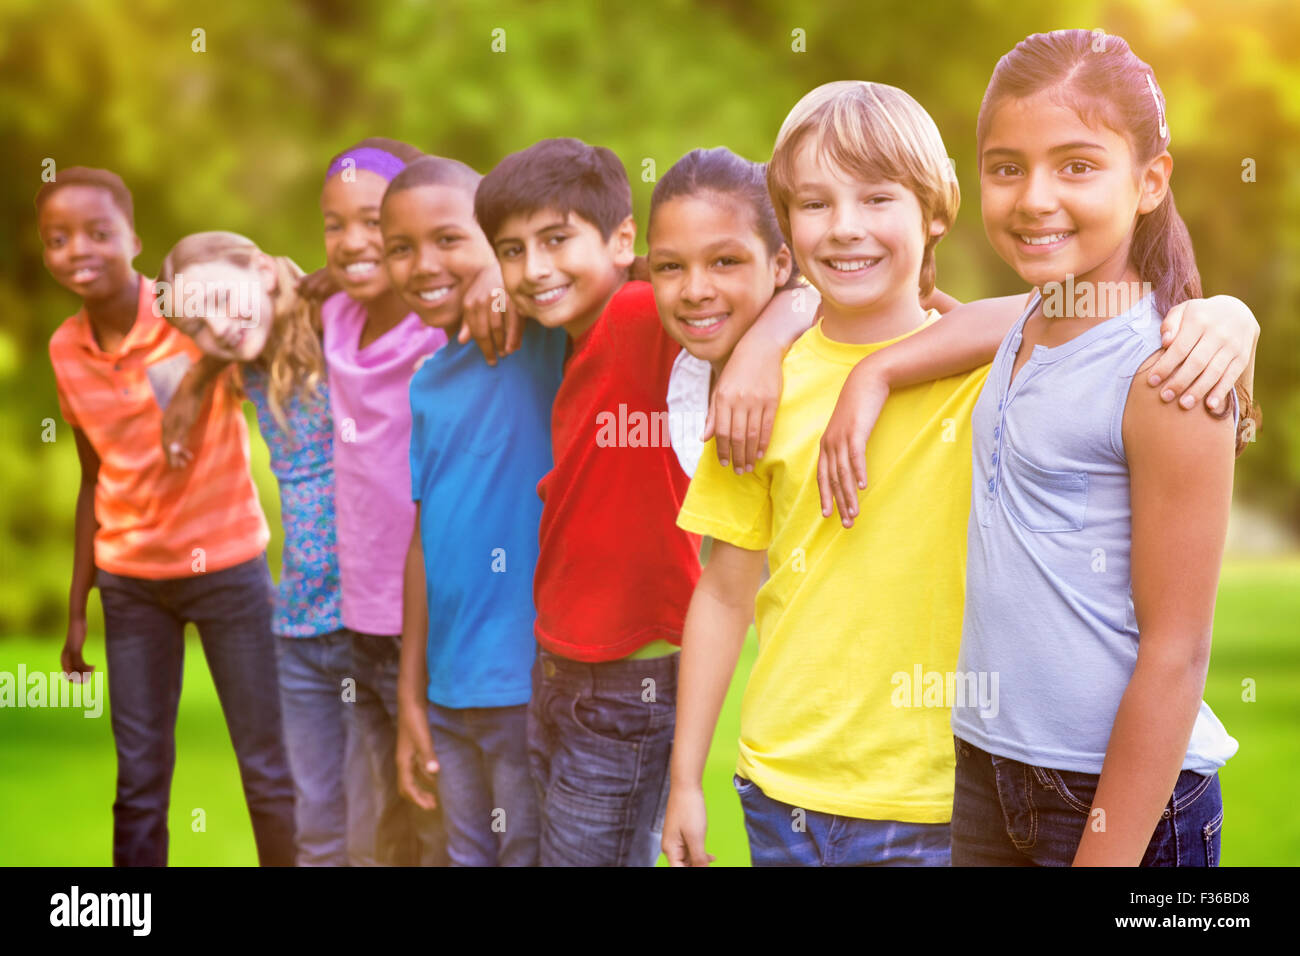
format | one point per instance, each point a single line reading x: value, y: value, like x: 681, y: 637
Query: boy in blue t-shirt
x: 480, y: 441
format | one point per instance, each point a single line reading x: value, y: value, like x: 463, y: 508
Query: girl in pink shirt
x: 373, y: 344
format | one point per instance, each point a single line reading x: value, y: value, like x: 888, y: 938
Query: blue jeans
x: 488, y: 802
x: 312, y: 672
x: 144, y: 640
x: 391, y: 831
x: 598, y: 742
x: 1007, y: 813
x: 781, y: 834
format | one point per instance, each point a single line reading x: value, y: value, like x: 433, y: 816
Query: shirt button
x: 1000, y: 403
x: 990, y: 484
x: 997, y: 432
x: 995, y: 458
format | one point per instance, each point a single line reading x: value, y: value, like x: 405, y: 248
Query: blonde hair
x: 877, y: 133
x: 292, y: 357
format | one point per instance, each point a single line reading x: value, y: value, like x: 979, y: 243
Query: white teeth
x: 850, y: 265
x: 84, y: 275
x: 361, y: 268
x: 434, y: 295
x: 705, y: 322
x: 1043, y: 240
x: 550, y: 295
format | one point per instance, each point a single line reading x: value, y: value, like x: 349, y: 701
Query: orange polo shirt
x: 156, y: 522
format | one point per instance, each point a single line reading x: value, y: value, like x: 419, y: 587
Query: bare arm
x: 742, y: 407
x: 1180, y: 470
x: 960, y: 341
x: 417, y: 764
x: 183, y: 410
x: 721, y: 609
x: 83, y: 558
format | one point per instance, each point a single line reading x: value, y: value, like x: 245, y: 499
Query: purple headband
x: 368, y: 157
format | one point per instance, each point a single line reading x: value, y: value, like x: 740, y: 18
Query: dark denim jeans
x: 312, y: 672
x: 1007, y: 813
x: 488, y: 801
x: 144, y: 639
x: 599, y: 736
x: 392, y: 831
x: 784, y: 835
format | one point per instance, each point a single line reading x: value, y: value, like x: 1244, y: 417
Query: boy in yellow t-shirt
x: 846, y: 755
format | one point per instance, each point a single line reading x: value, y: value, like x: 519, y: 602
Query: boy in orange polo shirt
x: 165, y: 547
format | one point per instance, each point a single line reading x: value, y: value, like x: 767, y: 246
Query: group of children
x: 491, y: 547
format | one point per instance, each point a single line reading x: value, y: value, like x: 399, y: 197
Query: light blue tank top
x: 1049, y: 597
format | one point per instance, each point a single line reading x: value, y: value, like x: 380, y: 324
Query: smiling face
x: 225, y: 308
x: 861, y: 244
x: 88, y: 243
x: 354, y: 245
x: 433, y: 249
x: 559, y: 270
x: 711, y: 271
x: 1059, y: 196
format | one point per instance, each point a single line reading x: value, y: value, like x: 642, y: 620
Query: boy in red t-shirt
x: 614, y: 573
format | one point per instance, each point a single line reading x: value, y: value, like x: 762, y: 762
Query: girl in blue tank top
x: 1098, y: 510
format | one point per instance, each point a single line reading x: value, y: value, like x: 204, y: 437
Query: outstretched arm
x: 183, y: 410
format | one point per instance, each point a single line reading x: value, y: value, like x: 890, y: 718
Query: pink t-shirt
x: 370, y: 398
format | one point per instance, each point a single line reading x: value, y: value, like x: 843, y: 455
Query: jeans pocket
x: 610, y: 721
x: 1076, y: 790
x: 742, y: 785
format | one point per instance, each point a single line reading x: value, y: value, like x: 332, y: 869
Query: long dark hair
x: 1104, y: 80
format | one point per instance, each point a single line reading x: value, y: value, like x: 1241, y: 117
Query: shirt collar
x: 144, y: 332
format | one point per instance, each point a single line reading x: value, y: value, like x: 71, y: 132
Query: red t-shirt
x: 614, y: 572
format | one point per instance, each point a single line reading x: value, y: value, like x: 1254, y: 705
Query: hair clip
x: 1160, y: 107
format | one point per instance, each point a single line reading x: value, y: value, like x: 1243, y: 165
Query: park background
x: 236, y: 136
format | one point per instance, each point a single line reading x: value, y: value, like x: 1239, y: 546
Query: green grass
x: 57, y: 767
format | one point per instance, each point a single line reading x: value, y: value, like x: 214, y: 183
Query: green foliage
x: 238, y: 136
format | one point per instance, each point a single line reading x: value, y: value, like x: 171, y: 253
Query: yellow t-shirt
x: 850, y: 619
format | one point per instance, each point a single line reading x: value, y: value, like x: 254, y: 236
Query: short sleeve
x: 65, y: 408
x: 727, y: 506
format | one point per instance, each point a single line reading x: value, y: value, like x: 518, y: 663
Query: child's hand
x: 417, y: 765
x: 685, y: 823
x: 742, y: 407
x: 842, y: 460
x: 496, y: 332
x: 74, y: 665
x: 1208, y: 344
x: 317, y: 286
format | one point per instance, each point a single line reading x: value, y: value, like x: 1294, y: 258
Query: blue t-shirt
x: 480, y: 442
